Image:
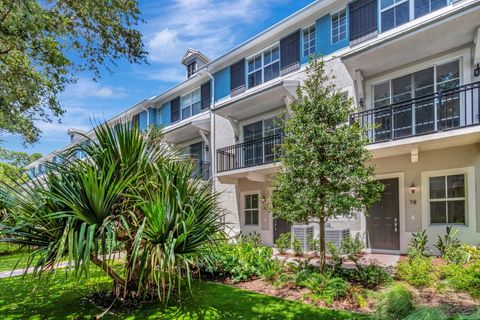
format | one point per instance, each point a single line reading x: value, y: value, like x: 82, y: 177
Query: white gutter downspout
x: 212, y: 134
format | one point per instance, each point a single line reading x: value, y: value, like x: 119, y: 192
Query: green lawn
x: 9, y: 256
x: 62, y: 298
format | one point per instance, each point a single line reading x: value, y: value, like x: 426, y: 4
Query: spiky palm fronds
x: 131, y: 193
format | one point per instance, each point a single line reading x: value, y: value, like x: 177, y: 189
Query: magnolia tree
x: 325, y: 172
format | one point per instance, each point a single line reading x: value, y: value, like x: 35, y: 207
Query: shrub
x: 283, y: 242
x: 326, y: 287
x: 457, y: 255
x: 394, y: 303
x: 473, y: 252
x: 369, y: 277
x: 465, y: 278
x: 448, y: 241
x: 315, y: 243
x: 241, y: 261
x: 426, y: 313
x: 336, y: 259
x: 297, y: 247
x: 417, y: 271
x: 418, y: 243
x: 352, y: 247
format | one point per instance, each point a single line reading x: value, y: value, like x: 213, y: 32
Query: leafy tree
x: 325, y: 172
x: 44, y: 43
x: 134, y: 196
x: 12, y: 164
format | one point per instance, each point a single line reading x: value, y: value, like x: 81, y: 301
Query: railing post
x: 391, y: 123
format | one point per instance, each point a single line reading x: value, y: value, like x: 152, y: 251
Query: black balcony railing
x: 249, y: 154
x: 440, y: 111
x: 201, y: 169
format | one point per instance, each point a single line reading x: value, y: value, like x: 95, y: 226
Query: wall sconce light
x: 413, y: 188
x: 264, y: 199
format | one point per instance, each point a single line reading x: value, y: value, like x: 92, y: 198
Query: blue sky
x: 211, y: 26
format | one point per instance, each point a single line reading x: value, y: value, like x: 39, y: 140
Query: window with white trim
x: 251, y: 209
x: 394, y: 13
x: 339, y: 26
x: 263, y: 67
x: 190, y: 104
x: 448, y: 199
x: 309, y: 43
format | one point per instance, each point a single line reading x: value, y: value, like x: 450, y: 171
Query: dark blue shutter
x: 175, y: 110
x: 237, y: 78
x: 363, y: 19
x: 206, y: 95
x: 290, y: 53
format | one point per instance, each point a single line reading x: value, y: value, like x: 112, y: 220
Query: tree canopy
x: 325, y: 169
x: 43, y: 44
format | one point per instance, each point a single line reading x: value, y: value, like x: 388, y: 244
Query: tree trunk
x: 118, y: 282
x: 321, y: 225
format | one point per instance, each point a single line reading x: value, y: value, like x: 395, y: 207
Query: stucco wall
x: 450, y: 158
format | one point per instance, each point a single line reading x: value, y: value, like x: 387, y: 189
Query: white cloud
x: 207, y: 25
x: 89, y: 88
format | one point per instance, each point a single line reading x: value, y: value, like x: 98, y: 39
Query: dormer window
x: 191, y: 68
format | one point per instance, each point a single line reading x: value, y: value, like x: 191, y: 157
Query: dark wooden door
x: 280, y: 226
x: 383, y: 218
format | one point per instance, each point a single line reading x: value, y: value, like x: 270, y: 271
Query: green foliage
x: 427, y: 313
x: 396, y: 302
x: 472, y: 251
x: 297, y: 247
x: 283, y: 242
x: 241, y: 261
x: 369, y: 277
x: 457, y: 254
x: 352, y: 247
x: 448, y: 242
x: 315, y: 243
x: 43, y: 46
x: 465, y: 278
x: 325, y: 162
x: 326, y: 287
x: 418, y: 243
x: 335, y: 257
x: 417, y: 271
x: 12, y: 166
x: 133, y: 195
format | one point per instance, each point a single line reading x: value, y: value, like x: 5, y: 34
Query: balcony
x: 201, y: 169
x: 249, y: 154
x: 438, y: 112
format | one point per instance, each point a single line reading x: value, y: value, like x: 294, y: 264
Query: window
x: 418, y: 117
x: 447, y: 199
x: 394, y: 13
x: 191, y: 68
x: 257, y: 151
x: 339, y: 26
x: 190, y: 104
x: 251, y: 209
x: 309, y: 41
x: 423, y: 7
x: 263, y: 67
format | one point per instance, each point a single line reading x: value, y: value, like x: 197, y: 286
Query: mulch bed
x: 453, y: 302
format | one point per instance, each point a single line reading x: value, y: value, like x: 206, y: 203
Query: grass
x: 63, y: 298
x: 10, y: 256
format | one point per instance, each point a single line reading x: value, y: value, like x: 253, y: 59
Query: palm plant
x: 132, y: 194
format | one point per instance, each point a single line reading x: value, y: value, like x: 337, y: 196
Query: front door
x: 383, y: 218
x: 280, y: 226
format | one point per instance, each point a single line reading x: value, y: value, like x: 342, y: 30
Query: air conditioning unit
x: 303, y: 233
x: 336, y: 236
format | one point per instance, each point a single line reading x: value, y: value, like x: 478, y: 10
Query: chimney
x: 75, y: 134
